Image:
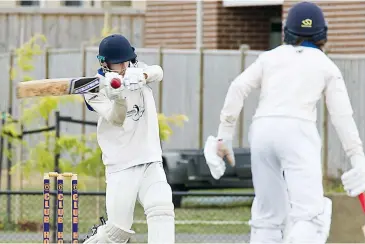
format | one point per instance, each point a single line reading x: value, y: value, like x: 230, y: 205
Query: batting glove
x: 215, y: 150
x: 134, y: 79
x: 354, y: 179
x: 114, y: 93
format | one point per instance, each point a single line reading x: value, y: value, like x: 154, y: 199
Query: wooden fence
x: 66, y: 27
x: 195, y: 84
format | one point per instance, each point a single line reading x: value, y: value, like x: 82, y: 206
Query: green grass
x: 28, y: 211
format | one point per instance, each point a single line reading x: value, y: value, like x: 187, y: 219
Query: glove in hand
x: 134, y: 79
x: 354, y: 179
x: 114, y: 93
x: 214, y: 152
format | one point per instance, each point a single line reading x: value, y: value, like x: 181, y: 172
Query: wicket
x: 60, y: 211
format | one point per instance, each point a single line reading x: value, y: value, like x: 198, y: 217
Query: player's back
x: 293, y: 79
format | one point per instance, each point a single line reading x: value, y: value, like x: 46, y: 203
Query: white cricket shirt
x: 137, y: 141
x: 291, y: 82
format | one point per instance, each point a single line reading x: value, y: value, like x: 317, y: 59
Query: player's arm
x: 113, y: 111
x: 217, y: 148
x: 341, y: 114
x: 340, y: 110
x: 238, y: 91
x: 152, y: 73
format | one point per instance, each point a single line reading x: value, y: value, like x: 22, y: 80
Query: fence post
x: 160, y: 87
x: 3, y: 117
x: 56, y: 169
x: 9, y: 146
x: 83, y: 107
x: 46, y: 62
x: 201, y: 96
x: 46, y: 71
x: 8, y: 184
x: 11, y: 82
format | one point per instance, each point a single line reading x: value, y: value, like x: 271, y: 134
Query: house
x: 229, y: 23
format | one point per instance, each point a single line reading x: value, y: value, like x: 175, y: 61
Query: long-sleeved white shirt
x: 292, y: 81
x: 137, y: 140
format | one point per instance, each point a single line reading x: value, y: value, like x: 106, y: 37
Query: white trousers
x: 287, y: 178
x: 146, y: 183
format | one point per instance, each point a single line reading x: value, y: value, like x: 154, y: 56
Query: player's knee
x: 314, y: 229
x: 158, y: 200
x: 272, y: 217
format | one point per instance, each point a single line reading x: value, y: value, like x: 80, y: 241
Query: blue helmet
x: 305, y: 21
x: 116, y: 49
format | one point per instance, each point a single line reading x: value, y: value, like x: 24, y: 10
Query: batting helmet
x: 115, y: 49
x: 305, y: 21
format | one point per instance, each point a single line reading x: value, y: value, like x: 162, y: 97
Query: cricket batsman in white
x: 128, y: 135
x: 289, y: 204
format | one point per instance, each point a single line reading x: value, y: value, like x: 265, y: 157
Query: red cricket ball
x: 115, y: 83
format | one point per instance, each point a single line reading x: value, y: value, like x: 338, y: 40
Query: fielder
x: 128, y: 135
x: 289, y: 204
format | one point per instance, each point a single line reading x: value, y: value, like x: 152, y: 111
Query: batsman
x: 289, y: 204
x: 128, y: 135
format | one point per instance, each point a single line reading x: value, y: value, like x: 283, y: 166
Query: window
x: 275, y: 33
x: 117, y: 3
x: 29, y: 3
x: 70, y: 3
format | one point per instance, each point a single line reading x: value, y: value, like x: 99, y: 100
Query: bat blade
x: 57, y: 87
x: 362, y: 202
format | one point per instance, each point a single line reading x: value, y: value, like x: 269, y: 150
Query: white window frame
x: 245, y: 3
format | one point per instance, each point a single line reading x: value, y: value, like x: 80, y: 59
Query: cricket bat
x: 362, y: 202
x: 57, y: 87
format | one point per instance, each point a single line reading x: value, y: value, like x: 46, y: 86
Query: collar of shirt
x: 309, y: 44
x: 101, y: 72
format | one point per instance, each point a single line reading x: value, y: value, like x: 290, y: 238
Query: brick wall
x: 246, y: 25
x: 172, y: 24
x: 346, y: 23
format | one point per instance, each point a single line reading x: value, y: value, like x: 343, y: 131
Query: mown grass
x: 27, y: 211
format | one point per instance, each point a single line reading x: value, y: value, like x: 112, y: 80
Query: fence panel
x: 67, y: 27
x: 39, y: 63
x: 4, y: 81
x: 4, y: 102
x: 181, y: 88
x: 152, y: 57
x: 92, y: 65
x: 251, y: 101
x: 67, y: 63
x: 91, y: 68
x: 21, y: 152
x: 221, y: 67
x: 353, y: 70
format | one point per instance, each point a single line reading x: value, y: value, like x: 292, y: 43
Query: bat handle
x: 362, y: 201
